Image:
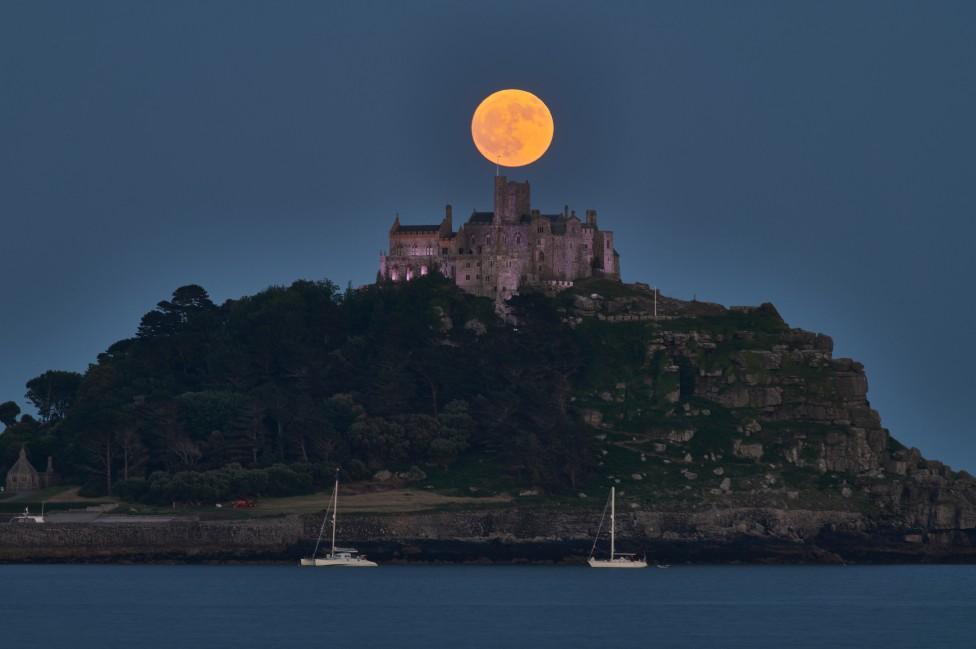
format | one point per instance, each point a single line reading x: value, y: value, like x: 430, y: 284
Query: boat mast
x: 613, y: 508
x: 335, y: 505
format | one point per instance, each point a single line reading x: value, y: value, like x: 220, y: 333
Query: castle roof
x: 557, y: 221
x: 418, y: 228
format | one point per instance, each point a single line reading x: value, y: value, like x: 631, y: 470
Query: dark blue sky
x: 816, y: 155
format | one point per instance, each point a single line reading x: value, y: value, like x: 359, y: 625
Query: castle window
x: 541, y: 229
x: 608, y: 243
x: 423, y: 270
x: 443, y: 251
x: 518, y: 239
x: 430, y: 251
x: 467, y: 277
x: 467, y: 265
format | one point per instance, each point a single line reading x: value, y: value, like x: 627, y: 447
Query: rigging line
x: 325, y: 519
x: 600, y: 528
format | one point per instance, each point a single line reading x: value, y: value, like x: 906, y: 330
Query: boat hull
x: 343, y: 562
x: 617, y: 563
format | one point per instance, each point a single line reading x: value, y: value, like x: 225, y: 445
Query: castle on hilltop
x: 494, y: 254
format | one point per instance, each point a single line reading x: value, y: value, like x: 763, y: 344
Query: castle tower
x: 511, y: 200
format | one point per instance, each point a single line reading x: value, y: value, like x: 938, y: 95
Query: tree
x: 133, y: 453
x: 8, y: 413
x: 53, y: 392
x: 99, y: 446
x: 171, y: 316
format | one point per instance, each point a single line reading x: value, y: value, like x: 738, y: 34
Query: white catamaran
x: 616, y: 559
x: 343, y: 557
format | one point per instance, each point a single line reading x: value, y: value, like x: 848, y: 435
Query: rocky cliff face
x: 751, y: 412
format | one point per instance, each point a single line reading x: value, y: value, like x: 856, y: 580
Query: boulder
x: 681, y: 436
x: 752, y: 451
x: 415, y: 474
x: 476, y: 327
x: 593, y: 417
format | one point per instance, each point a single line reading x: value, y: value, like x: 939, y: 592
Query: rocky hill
x: 727, y: 410
x: 727, y: 434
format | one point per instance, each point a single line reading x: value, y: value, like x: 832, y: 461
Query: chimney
x: 447, y: 225
x: 591, y: 217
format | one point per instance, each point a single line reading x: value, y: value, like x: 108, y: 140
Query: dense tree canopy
x: 272, y: 391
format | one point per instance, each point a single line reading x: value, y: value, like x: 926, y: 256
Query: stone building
x: 496, y: 253
x: 22, y: 476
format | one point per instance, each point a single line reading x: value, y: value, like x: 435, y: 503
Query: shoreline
x: 508, y: 536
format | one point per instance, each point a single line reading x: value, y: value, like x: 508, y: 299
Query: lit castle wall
x: 495, y: 253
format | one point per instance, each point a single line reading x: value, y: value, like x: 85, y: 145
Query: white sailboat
x: 27, y: 517
x: 338, y: 557
x: 616, y: 559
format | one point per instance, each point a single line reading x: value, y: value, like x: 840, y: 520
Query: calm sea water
x: 497, y: 607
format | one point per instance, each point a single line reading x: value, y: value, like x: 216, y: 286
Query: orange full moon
x: 512, y: 128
